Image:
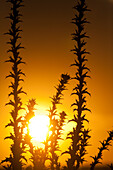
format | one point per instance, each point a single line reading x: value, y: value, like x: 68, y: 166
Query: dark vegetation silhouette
x: 17, y: 148
x: 79, y: 136
x: 97, y: 159
x: 56, y: 122
x: 111, y: 166
x: 37, y: 154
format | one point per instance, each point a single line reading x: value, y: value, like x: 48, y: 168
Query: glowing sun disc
x: 38, y: 127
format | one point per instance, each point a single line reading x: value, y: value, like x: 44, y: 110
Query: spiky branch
x: 56, y: 122
x: 38, y: 155
x: 79, y: 136
x: 17, y: 148
x: 111, y: 166
x: 97, y: 159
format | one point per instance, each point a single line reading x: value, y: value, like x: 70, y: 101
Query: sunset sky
x: 47, y: 40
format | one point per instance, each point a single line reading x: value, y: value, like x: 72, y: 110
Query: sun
x: 39, y: 128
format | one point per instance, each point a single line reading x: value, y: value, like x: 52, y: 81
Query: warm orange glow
x: 39, y: 127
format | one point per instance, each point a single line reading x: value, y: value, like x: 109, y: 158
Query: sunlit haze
x: 38, y: 128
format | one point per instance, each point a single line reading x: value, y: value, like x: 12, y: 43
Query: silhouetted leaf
x: 10, y: 124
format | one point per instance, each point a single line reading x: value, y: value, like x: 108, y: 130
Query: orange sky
x: 47, y: 41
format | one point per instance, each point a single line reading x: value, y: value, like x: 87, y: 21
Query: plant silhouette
x: 17, y: 148
x: 79, y: 136
x: 105, y: 144
x: 37, y: 154
x: 56, y: 122
x: 111, y: 166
